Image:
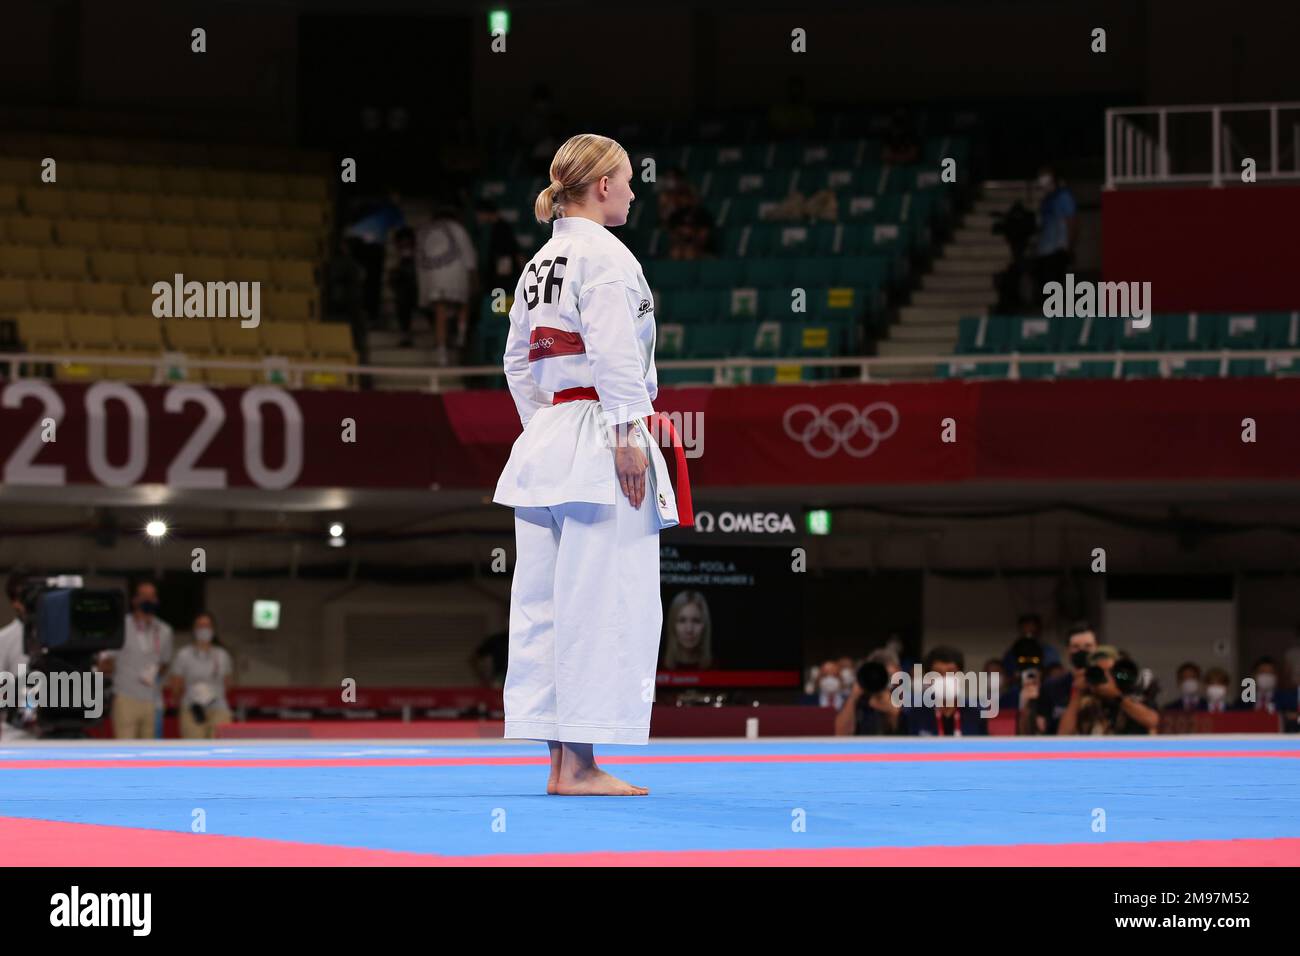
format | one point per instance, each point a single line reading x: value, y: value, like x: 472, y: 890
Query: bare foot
x: 597, y: 783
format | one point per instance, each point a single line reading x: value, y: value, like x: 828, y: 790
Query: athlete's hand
x: 630, y: 464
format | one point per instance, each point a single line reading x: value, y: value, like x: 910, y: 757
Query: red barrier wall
x: 1205, y: 250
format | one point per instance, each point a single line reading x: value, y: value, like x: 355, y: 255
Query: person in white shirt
x: 13, y: 655
x: 201, y: 675
x: 585, y: 613
x: 139, y: 666
x: 446, y: 272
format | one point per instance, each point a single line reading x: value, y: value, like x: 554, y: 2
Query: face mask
x: 829, y: 685
x: 203, y: 635
x: 1190, y: 687
x: 1045, y: 181
x: 1216, y: 692
x: 846, y: 678
x: 1266, y: 681
x: 147, y: 607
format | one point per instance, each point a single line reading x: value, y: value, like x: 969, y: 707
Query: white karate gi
x: 585, y: 614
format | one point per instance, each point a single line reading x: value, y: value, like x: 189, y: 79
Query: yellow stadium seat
x: 90, y: 331
x: 125, y: 236
x: 234, y: 340
x: 162, y: 266
x: 102, y: 176
x: 223, y: 182
x: 8, y: 198
x: 259, y: 212
x: 294, y: 274
x: 47, y: 199
x: 41, y: 331
x: 63, y: 263
x: 134, y: 206
x: 133, y: 373
x: 80, y: 366
x: 180, y: 209
x: 266, y: 185
x: 217, y: 211
x: 13, y: 296
x: 19, y: 261
x: 231, y: 376
x: 331, y: 340
x: 211, y: 239
x: 30, y: 230
x: 302, y: 215
x: 191, y: 336
x: 140, y: 297
x: 312, y: 188
x: 138, y: 332
x: 289, y: 306
x: 250, y: 269
x: 115, y: 266
x: 55, y: 295
x: 104, y: 297
x: 285, y: 338
x: 255, y: 242
x: 297, y: 243
x: 182, y: 181
x: 90, y: 203
x: 142, y: 179
x: 162, y: 237
x: 205, y: 269
x: 79, y: 232
x: 19, y: 172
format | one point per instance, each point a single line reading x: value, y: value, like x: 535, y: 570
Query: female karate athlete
x: 585, y: 616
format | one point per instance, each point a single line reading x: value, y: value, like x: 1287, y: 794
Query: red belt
x: 685, y: 513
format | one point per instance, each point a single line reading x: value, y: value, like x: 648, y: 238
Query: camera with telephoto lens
x: 1125, y: 672
x: 873, y: 677
x: 65, y: 627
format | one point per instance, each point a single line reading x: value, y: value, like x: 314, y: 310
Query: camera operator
x: 1106, y: 698
x: 869, y: 710
x: 138, y: 668
x: 1047, y: 699
x: 200, y: 679
x: 13, y: 653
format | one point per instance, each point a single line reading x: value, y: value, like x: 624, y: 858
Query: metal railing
x: 1138, y: 144
x: 727, y: 371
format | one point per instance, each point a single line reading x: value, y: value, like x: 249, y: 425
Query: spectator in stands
x: 201, y: 678
x: 953, y: 721
x: 1216, y: 691
x: 489, y: 660
x: 902, y: 147
x: 821, y: 205
x: 500, y: 258
x: 792, y: 116
x: 870, y: 710
x: 402, y: 282
x: 345, y: 280
x: 447, y: 272
x: 1268, y: 696
x: 1104, y: 708
x: 673, y: 191
x: 1190, y: 698
x: 1016, y: 225
x: 1058, y: 224
x: 1050, y: 698
x: 138, y: 667
x: 371, y: 231
x: 688, y: 633
x: 690, y: 231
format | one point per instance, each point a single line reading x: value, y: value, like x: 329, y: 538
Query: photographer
x: 13, y: 653
x: 1047, y: 699
x: 137, y: 669
x: 200, y: 680
x: 1105, y: 699
x: 869, y: 710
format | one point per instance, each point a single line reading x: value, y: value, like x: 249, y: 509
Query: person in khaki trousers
x: 138, y: 667
x: 200, y: 679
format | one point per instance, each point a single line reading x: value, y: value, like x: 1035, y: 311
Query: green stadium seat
x: 707, y: 340
x: 721, y: 273
x: 1185, y: 333
x: 1034, y: 335
x: 760, y: 273
x: 983, y: 335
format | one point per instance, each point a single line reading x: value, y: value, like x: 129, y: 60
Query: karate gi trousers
x: 585, y: 622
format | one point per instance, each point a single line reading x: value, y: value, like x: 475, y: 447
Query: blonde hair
x: 581, y: 161
x: 673, y: 651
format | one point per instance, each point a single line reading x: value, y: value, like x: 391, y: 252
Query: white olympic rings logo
x: 841, y: 429
x: 544, y: 343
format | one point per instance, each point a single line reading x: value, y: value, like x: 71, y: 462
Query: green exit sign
x: 818, y: 521
x: 266, y: 615
x: 498, y: 22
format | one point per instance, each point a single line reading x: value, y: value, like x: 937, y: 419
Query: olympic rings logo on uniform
x: 841, y: 423
x: 545, y: 343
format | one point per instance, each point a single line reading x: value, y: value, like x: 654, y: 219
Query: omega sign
x: 745, y: 522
